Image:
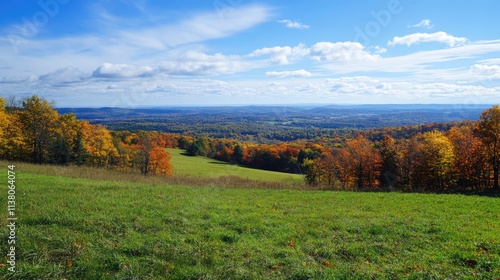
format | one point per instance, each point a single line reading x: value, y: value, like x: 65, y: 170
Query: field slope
x: 71, y: 228
x: 206, y: 167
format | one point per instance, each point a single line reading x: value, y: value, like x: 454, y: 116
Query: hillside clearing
x: 94, y: 229
x: 210, y: 168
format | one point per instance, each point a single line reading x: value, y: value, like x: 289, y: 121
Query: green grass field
x: 206, y: 167
x: 73, y: 228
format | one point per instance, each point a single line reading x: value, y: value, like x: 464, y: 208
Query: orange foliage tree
x: 471, y: 160
x: 366, y: 162
x: 344, y: 168
x: 152, y: 157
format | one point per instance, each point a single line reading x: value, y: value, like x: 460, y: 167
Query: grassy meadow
x: 81, y: 228
x: 206, y: 167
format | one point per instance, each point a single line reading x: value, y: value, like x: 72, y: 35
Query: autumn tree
x: 438, y: 160
x: 159, y: 161
x: 366, y: 162
x: 471, y: 164
x: 410, y: 161
x: 68, y: 144
x: 488, y: 130
x: 344, y: 169
x: 98, y: 143
x: 224, y: 152
x: 152, y: 156
x: 312, y: 170
x: 389, y: 156
x: 329, y: 167
x: 38, y: 120
x: 4, y: 125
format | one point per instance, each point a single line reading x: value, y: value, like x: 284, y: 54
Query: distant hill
x: 266, y: 123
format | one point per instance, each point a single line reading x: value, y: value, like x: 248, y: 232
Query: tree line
x: 32, y: 131
x: 463, y: 156
x: 446, y: 157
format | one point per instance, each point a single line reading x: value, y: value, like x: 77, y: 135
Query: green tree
x: 312, y: 171
x: 201, y: 147
x: 389, y: 155
x: 238, y: 154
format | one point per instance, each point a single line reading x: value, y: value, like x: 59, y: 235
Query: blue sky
x: 125, y: 53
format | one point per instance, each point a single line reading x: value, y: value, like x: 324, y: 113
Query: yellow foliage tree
x: 438, y: 159
x: 98, y: 143
x: 4, y: 125
x: 38, y: 120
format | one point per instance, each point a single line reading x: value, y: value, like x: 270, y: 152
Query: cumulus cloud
x: 438, y: 37
x: 282, y: 55
x: 284, y: 74
x: 293, y: 24
x: 321, y: 52
x: 341, y: 51
x: 108, y: 70
x: 191, y: 63
x: 426, y: 23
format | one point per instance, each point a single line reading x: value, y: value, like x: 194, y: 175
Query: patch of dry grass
x: 105, y: 174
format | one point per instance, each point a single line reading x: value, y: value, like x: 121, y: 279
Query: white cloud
x: 285, y: 74
x: 64, y: 76
x: 486, y: 71
x: 108, y: 70
x: 207, y: 26
x: 426, y: 23
x: 379, y: 50
x: 191, y: 63
x: 127, y: 43
x: 194, y: 63
x: 439, y: 37
x: 321, y: 52
x: 293, y: 24
x: 425, y: 65
x: 282, y: 55
x: 387, y: 91
x: 341, y: 51
x: 18, y: 80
